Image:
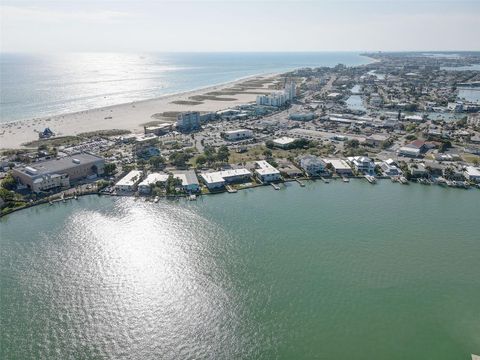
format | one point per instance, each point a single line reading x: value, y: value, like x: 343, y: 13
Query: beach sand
x: 132, y: 116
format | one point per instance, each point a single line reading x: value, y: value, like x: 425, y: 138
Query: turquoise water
x: 329, y: 271
x: 44, y: 85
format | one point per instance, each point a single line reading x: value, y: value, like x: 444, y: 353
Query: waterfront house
x: 472, y: 173
x: 59, y: 172
x: 129, y: 182
x: 417, y: 170
x: 189, y: 180
x: 145, y: 186
x: 312, y: 164
x: 389, y: 169
x: 362, y: 164
x: 340, y: 166
x: 266, y: 172
x: 218, y: 179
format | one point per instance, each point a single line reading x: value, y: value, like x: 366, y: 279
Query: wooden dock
x: 301, y: 183
x: 276, y: 187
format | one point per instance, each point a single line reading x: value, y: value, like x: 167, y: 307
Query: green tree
x: 201, y: 160
x: 9, y: 182
x: 267, y: 153
x: 445, y: 146
x: 269, y: 144
x: 179, y: 158
x: 223, y: 153
x: 109, y: 168
x: 353, y: 143
x: 156, y: 161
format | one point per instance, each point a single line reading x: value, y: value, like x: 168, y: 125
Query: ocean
x: 35, y: 86
x: 327, y: 271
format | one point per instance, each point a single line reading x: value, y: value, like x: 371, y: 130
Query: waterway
x: 327, y: 271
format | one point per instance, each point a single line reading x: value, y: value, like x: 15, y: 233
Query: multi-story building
x: 362, y: 164
x: 266, y: 172
x: 218, y: 179
x: 129, y: 182
x: 60, y: 172
x: 189, y: 180
x: 188, y: 121
x: 278, y: 98
x: 312, y: 164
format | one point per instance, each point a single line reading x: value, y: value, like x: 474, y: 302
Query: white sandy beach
x: 130, y: 116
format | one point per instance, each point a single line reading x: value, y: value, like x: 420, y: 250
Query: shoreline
x: 47, y: 200
x: 15, y: 133
x: 128, y: 116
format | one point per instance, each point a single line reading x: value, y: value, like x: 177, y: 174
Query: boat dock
x: 276, y: 187
x: 371, y: 179
x: 301, y: 183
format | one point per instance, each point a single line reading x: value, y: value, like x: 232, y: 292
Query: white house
x: 129, y: 182
x: 390, y: 170
x: 312, y: 164
x: 340, y: 166
x: 283, y: 142
x: 472, y: 173
x: 266, y: 172
x: 239, y: 134
x: 362, y: 164
x: 145, y: 186
x: 218, y: 179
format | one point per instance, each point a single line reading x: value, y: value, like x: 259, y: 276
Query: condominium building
x: 188, y: 121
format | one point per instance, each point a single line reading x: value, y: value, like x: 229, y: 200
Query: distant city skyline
x: 230, y: 25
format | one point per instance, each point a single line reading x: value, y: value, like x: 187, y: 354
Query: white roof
x: 239, y: 131
x: 409, y: 150
x: 187, y: 177
x: 130, y: 179
x: 284, y: 140
x: 154, y: 178
x: 264, y: 168
x: 267, y: 171
x: 472, y: 171
x: 338, y: 164
x: 220, y: 176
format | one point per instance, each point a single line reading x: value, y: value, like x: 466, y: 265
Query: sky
x: 234, y: 25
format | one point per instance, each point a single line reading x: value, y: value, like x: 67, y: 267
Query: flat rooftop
x: 154, y: 178
x: 187, y: 177
x: 130, y: 179
x: 59, y: 165
x: 222, y: 176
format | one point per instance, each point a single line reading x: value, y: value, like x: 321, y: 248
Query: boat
x: 371, y: 179
x: 346, y: 180
x: 156, y: 199
x: 403, y: 180
x: 192, y: 197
